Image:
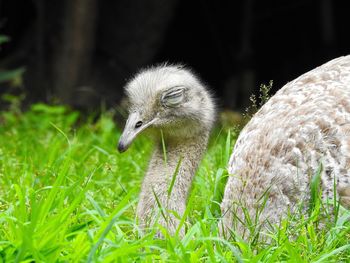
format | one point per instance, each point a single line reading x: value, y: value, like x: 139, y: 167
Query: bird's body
x: 303, y: 127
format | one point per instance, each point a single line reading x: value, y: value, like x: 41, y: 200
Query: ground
x: 67, y: 195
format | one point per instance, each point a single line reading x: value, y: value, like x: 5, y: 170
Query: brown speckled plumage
x: 306, y: 124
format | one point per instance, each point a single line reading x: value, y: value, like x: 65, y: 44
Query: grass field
x: 67, y: 195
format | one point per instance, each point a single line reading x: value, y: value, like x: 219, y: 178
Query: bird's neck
x: 170, y: 174
x: 179, y: 156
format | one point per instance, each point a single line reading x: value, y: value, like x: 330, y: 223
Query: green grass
x: 67, y: 195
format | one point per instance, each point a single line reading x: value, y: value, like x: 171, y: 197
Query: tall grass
x: 66, y: 195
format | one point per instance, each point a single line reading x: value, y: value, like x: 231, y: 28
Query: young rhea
x: 178, y: 110
x: 306, y: 124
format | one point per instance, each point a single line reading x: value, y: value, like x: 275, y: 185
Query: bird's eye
x: 173, y: 97
x: 138, y: 124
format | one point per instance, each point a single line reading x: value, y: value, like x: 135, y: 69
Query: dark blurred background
x: 81, y: 52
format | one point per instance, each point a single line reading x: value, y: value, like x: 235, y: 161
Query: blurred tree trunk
x: 327, y: 27
x: 240, y: 85
x: 73, y: 57
x: 40, y: 78
x: 245, y: 56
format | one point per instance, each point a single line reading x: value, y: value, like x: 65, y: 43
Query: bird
x: 304, y: 126
x: 178, y: 112
x: 301, y: 131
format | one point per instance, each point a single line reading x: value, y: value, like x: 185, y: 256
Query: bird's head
x: 167, y: 98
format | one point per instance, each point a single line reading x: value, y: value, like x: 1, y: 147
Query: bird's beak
x: 131, y: 131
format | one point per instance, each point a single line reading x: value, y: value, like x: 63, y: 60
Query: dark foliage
x: 82, y: 52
